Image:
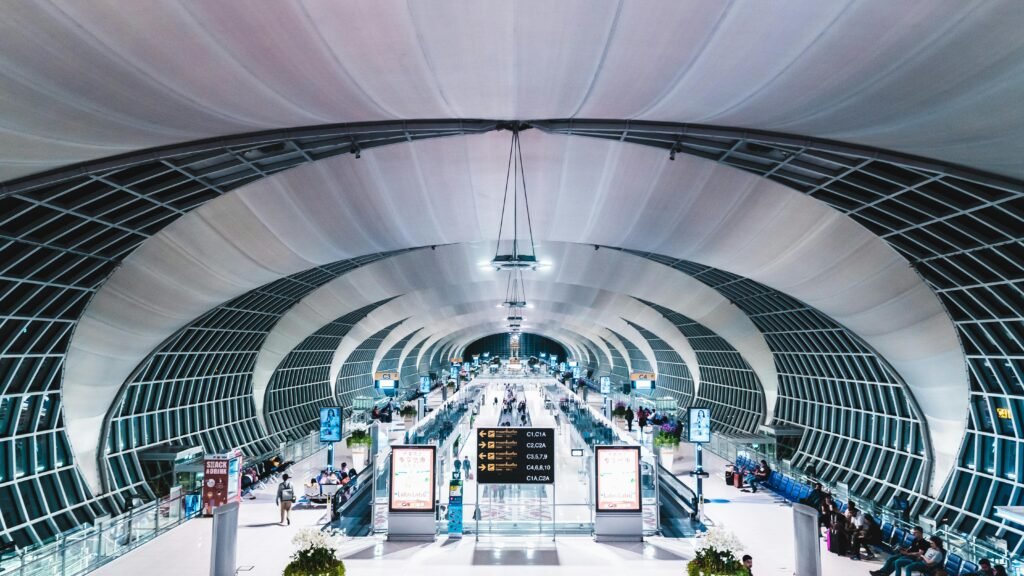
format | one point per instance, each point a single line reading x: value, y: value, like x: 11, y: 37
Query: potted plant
x: 316, y: 554
x: 619, y: 414
x: 718, y: 552
x: 408, y: 413
x: 666, y: 438
x: 359, y: 443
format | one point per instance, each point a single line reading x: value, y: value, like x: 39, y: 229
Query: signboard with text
x: 618, y: 478
x: 642, y: 380
x: 425, y: 384
x: 515, y: 455
x: 412, y: 479
x: 606, y: 385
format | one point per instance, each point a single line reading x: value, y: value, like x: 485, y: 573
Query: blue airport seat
x: 908, y: 539
x: 793, y: 490
x: 968, y: 568
x: 953, y: 562
x: 887, y: 530
x: 897, y: 537
x: 804, y: 492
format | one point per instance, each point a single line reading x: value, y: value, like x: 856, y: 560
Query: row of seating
x: 893, y: 537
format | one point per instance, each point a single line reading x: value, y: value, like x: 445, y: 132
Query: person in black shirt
x: 984, y: 568
x: 916, y: 550
x: 760, y: 475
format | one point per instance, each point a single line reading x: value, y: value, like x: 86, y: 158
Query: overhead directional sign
x: 515, y: 455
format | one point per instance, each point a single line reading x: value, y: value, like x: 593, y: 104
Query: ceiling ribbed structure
x: 834, y: 215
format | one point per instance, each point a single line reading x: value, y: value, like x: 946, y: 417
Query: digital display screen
x: 330, y: 424
x: 643, y: 384
x: 572, y: 363
x: 699, y: 425
x: 386, y: 384
x: 234, y: 482
x: 412, y: 479
x: 425, y: 384
x: 618, y: 478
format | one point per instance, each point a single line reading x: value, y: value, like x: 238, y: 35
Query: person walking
x: 629, y: 418
x: 285, y: 497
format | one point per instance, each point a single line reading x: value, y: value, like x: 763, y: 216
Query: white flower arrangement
x: 721, y: 540
x: 312, y: 538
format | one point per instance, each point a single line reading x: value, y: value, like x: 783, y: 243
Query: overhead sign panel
x: 515, y: 455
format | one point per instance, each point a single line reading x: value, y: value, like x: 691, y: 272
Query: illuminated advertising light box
x: 606, y: 385
x: 424, y: 384
x: 330, y: 424
x: 573, y: 363
x: 412, y: 479
x: 698, y: 427
x: 618, y: 478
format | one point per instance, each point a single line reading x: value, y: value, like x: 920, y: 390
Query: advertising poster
x: 215, y: 484
x: 424, y: 384
x: 618, y: 478
x: 606, y: 385
x: 234, y: 477
x: 412, y: 479
x: 455, y: 509
x: 330, y: 424
x: 699, y: 429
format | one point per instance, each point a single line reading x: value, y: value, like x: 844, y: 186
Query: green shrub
x: 359, y: 438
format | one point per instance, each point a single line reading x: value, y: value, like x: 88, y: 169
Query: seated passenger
x: 760, y: 475
x: 911, y: 553
x: 867, y: 534
x: 984, y: 569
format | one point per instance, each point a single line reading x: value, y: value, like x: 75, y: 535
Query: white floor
x: 761, y: 522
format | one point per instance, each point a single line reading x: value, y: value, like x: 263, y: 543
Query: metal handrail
x: 88, y: 547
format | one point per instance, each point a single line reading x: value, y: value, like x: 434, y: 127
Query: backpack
x: 287, y: 493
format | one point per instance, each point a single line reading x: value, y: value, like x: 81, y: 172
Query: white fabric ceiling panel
x: 583, y: 191
x: 84, y: 80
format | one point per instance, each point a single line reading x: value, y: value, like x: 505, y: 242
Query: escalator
x: 677, y: 502
x: 354, y: 515
x: 677, y: 507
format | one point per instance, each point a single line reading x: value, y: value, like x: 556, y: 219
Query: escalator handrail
x: 686, y: 494
x: 361, y: 484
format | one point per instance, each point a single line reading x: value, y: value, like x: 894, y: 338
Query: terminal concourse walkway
x: 759, y: 520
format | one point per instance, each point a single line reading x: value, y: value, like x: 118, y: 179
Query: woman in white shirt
x: 932, y: 557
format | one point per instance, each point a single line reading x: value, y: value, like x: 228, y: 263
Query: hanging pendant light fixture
x: 515, y: 254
